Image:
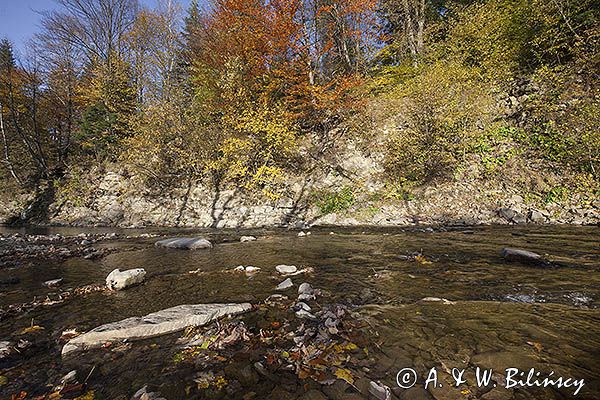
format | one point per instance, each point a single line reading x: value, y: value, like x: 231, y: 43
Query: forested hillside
x: 345, y: 107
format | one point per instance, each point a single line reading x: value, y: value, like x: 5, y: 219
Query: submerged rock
x: 119, y: 280
x: 185, y: 243
x: 285, y: 284
x: 523, y: 256
x: 286, y: 269
x: 143, y: 394
x: 71, y: 377
x: 5, y: 349
x: 380, y: 391
x: 156, y: 324
x: 53, y: 283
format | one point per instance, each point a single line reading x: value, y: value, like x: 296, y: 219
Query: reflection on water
x: 504, y: 315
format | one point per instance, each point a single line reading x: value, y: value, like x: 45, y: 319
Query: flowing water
x: 498, y: 315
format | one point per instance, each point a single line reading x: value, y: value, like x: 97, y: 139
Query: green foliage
x: 557, y: 194
x: 74, y: 188
x: 496, y: 146
x: 335, y: 202
x: 443, y: 106
x: 564, y: 120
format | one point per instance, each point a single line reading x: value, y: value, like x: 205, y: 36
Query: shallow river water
x: 498, y: 315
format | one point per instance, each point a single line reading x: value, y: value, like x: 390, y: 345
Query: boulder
x: 512, y: 215
x: 247, y: 239
x: 507, y: 213
x: 286, y: 269
x: 119, y: 280
x: 285, y: 284
x: 536, y: 217
x: 163, y: 322
x: 523, y: 256
x: 305, y: 288
x: 185, y: 243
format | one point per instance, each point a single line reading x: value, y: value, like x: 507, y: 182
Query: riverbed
x: 427, y: 298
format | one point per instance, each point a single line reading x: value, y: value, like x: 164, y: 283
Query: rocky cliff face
x: 112, y: 198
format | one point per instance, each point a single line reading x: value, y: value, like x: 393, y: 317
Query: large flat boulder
x: 163, y: 322
x: 185, y: 243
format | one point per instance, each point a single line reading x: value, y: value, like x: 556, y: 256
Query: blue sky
x: 19, y: 19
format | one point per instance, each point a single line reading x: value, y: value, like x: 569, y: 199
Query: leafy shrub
x: 335, y: 202
x: 496, y: 146
x: 443, y: 107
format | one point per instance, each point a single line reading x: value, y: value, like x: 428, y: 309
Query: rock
x: 53, y: 283
x: 303, y: 234
x: 119, y: 280
x: 71, y: 377
x: 286, y: 269
x: 380, y: 391
x: 306, y: 297
x: 185, y: 243
x: 536, y: 217
x: 305, y: 314
x: 156, y: 324
x: 143, y: 394
x: 302, y: 306
x: 285, y: 284
x: 5, y: 349
x: 519, y: 219
x: 512, y: 215
x: 244, y: 239
x: 305, y: 288
x: 507, y: 213
x: 249, y: 269
x: 523, y: 256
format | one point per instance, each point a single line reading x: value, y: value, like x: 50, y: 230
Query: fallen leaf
x: 33, y: 328
x: 345, y: 375
x: 3, y: 380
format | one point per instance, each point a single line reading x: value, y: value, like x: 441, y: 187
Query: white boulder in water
x: 185, y: 243
x: 286, y: 269
x: 285, y: 284
x: 119, y: 280
x: 163, y: 322
x: 247, y: 239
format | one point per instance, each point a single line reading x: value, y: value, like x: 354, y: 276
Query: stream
x: 482, y: 310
